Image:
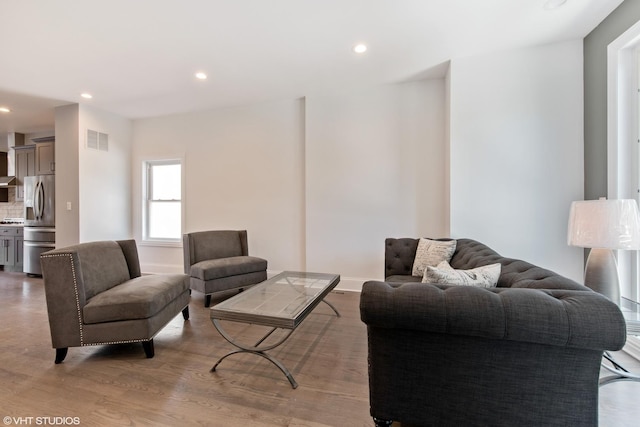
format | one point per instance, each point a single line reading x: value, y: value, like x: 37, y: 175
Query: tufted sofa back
x: 399, y: 255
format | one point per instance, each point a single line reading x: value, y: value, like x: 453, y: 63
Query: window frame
x: 623, y: 151
x: 147, y: 179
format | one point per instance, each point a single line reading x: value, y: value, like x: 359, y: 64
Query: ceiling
x: 138, y: 58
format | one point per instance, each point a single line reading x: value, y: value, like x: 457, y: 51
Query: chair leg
x: 148, y: 348
x: 185, y: 313
x: 207, y: 300
x: 61, y: 353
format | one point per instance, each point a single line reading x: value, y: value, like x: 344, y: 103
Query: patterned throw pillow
x: 485, y: 276
x: 431, y: 253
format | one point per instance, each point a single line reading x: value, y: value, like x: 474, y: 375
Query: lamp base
x: 601, y: 274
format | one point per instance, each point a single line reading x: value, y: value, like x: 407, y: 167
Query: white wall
x: 67, y: 174
x: 243, y: 170
x: 105, y: 187
x: 318, y: 183
x: 517, y: 152
x: 375, y: 168
x: 95, y: 183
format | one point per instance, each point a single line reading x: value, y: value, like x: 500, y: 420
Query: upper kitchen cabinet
x: 45, y: 155
x: 25, y: 165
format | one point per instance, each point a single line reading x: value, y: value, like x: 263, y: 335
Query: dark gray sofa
x: 525, y: 353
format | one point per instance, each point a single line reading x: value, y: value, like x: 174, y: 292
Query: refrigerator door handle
x: 35, y: 201
x: 39, y: 200
x: 42, y: 199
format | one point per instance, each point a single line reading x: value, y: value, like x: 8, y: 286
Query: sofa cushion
x: 103, y: 266
x: 484, y: 277
x: 138, y: 298
x: 224, y: 267
x: 431, y: 253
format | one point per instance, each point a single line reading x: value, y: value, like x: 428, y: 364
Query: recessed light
x: 201, y: 76
x: 360, y: 48
x: 86, y: 95
x: 4, y: 110
x: 553, y: 4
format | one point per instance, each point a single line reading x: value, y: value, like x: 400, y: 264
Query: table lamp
x: 604, y: 225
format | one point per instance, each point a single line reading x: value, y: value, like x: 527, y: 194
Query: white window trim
x: 623, y: 126
x: 623, y: 158
x: 146, y: 241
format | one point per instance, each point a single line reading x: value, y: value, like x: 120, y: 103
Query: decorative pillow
x: 431, y: 253
x: 485, y: 276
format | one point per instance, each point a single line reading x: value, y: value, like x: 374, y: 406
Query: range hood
x: 7, y: 181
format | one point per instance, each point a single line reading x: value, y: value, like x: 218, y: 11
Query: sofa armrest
x: 582, y: 319
x: 65, y: 297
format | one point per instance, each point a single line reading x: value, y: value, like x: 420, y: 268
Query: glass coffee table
x: 281, y: 302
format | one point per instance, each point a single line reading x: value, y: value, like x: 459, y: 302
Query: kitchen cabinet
x: 11, y: 248
x: 25, y: 162
x: 45, y: 156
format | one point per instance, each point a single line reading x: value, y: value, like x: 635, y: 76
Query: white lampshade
x: 607, y: 224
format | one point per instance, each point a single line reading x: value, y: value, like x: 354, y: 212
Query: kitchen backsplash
x: 12, y: 209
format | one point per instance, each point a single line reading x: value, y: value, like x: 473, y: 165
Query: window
x: 623, y: 153
x: 623, y: 177
x: 162, y: 210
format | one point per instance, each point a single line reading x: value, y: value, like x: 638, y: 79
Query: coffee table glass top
x: 282, y: 301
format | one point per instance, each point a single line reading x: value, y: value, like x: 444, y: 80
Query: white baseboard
x: 351, y: 284
x: 161, y: 268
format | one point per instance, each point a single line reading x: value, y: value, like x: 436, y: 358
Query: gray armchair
x: 219, y: 261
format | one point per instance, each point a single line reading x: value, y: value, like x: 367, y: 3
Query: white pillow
x: 485, y: 276
x: 431, y: 253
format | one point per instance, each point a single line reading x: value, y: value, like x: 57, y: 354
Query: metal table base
x: 619, y: 371
x: 261, y: 351
x: 631, y: 312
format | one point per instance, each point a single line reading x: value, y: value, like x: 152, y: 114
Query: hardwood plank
x: 118, y: 385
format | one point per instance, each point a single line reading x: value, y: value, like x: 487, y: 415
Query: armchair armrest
x: 566, y: 318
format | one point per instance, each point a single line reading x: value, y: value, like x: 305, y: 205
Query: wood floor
x: 117, y: 385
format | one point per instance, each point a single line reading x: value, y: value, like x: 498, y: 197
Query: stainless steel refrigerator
x: 39, y: 220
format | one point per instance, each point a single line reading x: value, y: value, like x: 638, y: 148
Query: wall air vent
x: 97, y: 140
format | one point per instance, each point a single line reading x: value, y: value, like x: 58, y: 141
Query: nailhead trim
x: 116, y: 342
x: 75, y: 289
